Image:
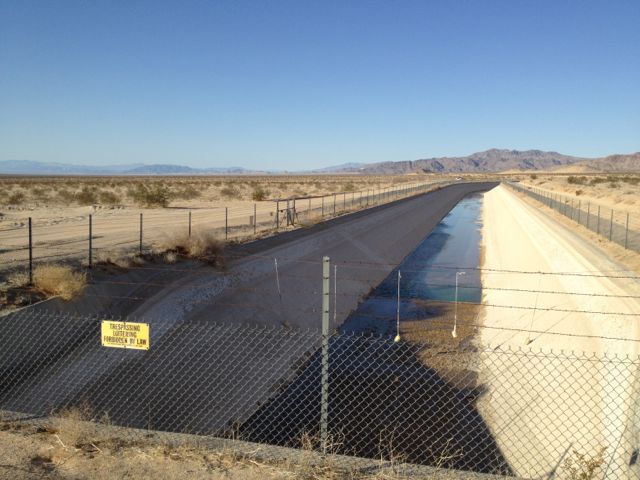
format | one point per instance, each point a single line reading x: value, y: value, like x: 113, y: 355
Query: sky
x: 305, y: 84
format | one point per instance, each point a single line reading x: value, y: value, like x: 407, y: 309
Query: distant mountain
x: 614, y: 163
x: 345, y: 167
x: 28, y: 167
x: 493, y: 160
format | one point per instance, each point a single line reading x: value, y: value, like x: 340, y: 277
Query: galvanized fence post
x: 611, y: 226
x: 277, y: 214
x: 324, y: 389
x: 579, y: 210
x: 90, y: 240
x: 140, y: 246
x: 334, y: 204
x: 30, y: 252
x: 626, y: 232
x: 226, y: 223
x: 322, y: 214
x: 189, y: 223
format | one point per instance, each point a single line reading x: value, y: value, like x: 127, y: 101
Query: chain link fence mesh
x: 616, y: 226
x: 474, y: 408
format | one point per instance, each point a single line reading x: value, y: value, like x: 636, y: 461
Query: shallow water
x: 429, y: 272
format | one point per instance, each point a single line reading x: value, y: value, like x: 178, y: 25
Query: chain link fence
x: 494, y: 410
x: 616, y: 226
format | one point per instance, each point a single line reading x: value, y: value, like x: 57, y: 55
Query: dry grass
x: 200, y: 245
x: 70, y: 447
x: 58, y: 280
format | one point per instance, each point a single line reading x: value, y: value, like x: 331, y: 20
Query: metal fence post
x: 322, y: 214
x: 611, y: 226
x: 334, y: 204
x: 344, y: 201
x: 226, y: 223
x: 324, y: 389
x: 626, y: 232
x: 579, y: 210
x: 90, y: 239
x: 255, y: 218
x: 277, y: 214
x: 30, y: 252
x: 140, y: 246
x: 189, y: 223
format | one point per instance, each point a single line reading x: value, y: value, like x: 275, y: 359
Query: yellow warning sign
x: 125, y: 335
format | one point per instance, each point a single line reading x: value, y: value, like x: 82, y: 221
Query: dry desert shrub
x: 200, y: 245
x: 58, y: 280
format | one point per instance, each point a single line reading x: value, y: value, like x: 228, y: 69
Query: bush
x: 16, y: 198
x: 230, y: 192
x: 58, y: 280
x: 189, y: 192
x: 65, y: 195
x: 576, y: 180
x: 348, y: 187
x: 200, y: 245
x: 86, y: 197
x: 578, y: 193
x: 259, y: 194
x: 153, y: 196
x: 109, y: 198
x: 533, y: 176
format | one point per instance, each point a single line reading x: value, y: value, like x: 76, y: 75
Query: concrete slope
x: 544, y: 406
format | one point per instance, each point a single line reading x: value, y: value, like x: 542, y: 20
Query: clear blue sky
x: 301, y: 84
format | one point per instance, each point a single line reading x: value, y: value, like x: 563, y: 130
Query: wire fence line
x: 616, y: 226
x: 515, y: 412
x: 111, y: 232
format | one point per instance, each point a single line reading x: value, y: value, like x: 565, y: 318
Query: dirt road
x: 542, y: 408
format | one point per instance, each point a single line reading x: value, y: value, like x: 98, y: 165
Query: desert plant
x: 200, y: 245
x: 259, y: 194
x: 573, y: 180
x: 579, y: 192
x: 109, y: 198
x: 86, y: 196
x: 582, y: 467
x: 58, y: 280
x: 157, y: 195
x: 230, y: 192
x: 16, y: 198
x: 533, y: 176
x: 349, y: 187
x: 189, y: 192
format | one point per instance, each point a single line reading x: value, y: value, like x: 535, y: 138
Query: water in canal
x: 429, y: 272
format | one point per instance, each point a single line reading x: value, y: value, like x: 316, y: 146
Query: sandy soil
x: 541, y: 408
x: 620, y: 192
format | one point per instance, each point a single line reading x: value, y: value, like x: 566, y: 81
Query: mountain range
x: 494, y: 160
